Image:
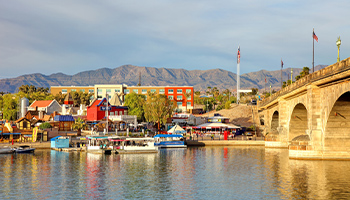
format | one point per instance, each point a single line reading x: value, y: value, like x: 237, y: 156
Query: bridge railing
x: 318, y: 75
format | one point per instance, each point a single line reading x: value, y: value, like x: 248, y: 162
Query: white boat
x: 6, y: 150
x: 169, y: 141
x: 138, y: 145
x: 96, y: 145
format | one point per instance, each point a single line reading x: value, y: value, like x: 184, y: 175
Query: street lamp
x: 338, y: 43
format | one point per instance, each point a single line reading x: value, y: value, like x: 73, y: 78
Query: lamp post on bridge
x: 338, y: 43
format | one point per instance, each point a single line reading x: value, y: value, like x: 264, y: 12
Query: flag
x: 281, y: 63
x: 315, y: 37
x: 238, y: 55
x: 265, y: 79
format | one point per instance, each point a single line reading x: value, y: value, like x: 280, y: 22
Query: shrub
x: 45, y: 126
x: 227, y: 105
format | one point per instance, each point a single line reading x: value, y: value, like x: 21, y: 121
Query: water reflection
x: 201, y: 173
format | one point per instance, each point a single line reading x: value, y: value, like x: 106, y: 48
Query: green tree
x: 158, y: 108
x: 60, y: 97
x: 9, y: 107
x: 78, y: 125
x: 135, y: 103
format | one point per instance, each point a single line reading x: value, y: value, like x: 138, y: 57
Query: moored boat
x: 6, y: 150
x: 137, y: 145
x: 24, y: 149
x: 98, y: 145
x: 169, y: 141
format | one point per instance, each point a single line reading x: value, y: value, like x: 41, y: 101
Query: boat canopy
x: 166, y: 136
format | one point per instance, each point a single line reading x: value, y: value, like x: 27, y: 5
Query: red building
x: 97, y: 110
x: 183, y: 95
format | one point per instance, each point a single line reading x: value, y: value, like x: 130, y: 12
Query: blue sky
x: 68, y: 36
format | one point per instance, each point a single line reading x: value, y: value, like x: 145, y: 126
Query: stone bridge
x: 311, y: 117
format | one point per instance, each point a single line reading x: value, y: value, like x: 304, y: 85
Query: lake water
x: 193, y: 173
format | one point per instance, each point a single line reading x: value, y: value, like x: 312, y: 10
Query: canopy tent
x: 176, y: 130
x: 218, y: 125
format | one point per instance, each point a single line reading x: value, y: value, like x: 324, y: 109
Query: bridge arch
x: 275, y: 122
x: 337, y: 131
x: 298, y: 123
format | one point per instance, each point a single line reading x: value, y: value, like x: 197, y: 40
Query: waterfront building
x: 47, y: 106
x: 182, y: 95
x: 96, y: 111
x: 67, y: 89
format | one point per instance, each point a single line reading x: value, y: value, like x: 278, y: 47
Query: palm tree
x: 187, y: 95
x: 78, y: 125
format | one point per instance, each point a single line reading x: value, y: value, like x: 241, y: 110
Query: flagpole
x: 281, y: 73
x: 265, y: 83
x: 238, y: 81
x: 313, y: 50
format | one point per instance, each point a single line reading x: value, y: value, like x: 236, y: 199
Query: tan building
x: 67, y: 89
x: 183, y: 95
x: 103, y: 89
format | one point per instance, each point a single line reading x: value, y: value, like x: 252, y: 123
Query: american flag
x: 238, y: 55
x: 315, y: 37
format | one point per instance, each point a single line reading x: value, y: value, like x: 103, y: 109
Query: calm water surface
x: 194, y: 173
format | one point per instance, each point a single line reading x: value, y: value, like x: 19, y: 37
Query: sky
x: 68, y: 36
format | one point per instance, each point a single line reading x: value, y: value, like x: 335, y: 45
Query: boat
x: 98, y: 145
x: 24, y: 149
x: 169, y: 141
x: 137, y: 145
x: 6, y: 150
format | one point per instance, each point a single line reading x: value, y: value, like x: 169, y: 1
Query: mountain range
x: 150, y: 76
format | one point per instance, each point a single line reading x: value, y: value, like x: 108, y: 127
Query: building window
x: 153, y: 90
x: 179, y: 97
x: 171, y: 97
x: 64, y: 91
x: 179, y: 91
x: 161, y: 91
x: 179, y: 104
x: 189, y: 98
x: 144, y: 91
x: 117, y: 90
x: 188, y: 91
x: 188, y: 103
x: 170, y: 91
x: 91, y: 91
x: 108, y: 91
x: 126, y: 91
x: 99, y: 91
x: 73, y: 90
x: 82, y: 90
x: 136, y: 91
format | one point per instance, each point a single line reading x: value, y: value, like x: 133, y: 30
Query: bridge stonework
x: 311, y: 117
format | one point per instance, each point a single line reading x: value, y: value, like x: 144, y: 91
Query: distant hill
x: 129, y: 74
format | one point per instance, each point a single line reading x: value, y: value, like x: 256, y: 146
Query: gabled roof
x: 41, y: 104
x: 47, y: 117
x: 68, y: 98
x: 21, y: 119
x: 115, y: 100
